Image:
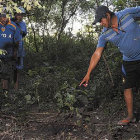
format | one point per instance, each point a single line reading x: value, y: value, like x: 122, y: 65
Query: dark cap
x: 100, y: 13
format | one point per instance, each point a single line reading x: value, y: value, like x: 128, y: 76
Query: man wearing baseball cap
x: 123, y: 31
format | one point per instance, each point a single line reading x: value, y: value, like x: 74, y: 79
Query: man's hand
x: 93, y: 62
x: 85, y: 81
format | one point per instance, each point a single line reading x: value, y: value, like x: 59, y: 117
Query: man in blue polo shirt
x: 9, y: 43
x: 121, y: 29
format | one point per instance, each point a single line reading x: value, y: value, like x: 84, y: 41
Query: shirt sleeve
x: 24, y: 28
x: 17, y: 35
x: 134, y: 11
x: 101, y: 42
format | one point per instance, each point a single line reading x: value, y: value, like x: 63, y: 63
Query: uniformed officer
x: 21, y: 25
x: 9, y: 43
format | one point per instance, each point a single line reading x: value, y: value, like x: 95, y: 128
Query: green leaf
x: 28, y: 97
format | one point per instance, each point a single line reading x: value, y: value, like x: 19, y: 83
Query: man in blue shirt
x: 121, y: 29
x: 9, y: 43
x: 21, y: 26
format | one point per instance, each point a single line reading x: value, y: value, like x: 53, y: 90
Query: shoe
x: 126, y: 121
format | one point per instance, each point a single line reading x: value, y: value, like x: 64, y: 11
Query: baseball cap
x: 4, y: 12
x: 100, y: 13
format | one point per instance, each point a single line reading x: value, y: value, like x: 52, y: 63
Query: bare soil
x: 53, y: 125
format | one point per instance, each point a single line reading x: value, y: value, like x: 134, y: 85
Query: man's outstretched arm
x: 93, y: 62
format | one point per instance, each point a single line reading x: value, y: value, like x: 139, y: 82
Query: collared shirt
x: 127, y: 39
x: 21, y: 26
x: 8, y: 36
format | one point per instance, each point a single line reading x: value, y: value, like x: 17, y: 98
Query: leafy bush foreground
x: 52, y: 76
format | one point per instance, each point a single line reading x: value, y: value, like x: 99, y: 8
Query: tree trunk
x: 34, y: 35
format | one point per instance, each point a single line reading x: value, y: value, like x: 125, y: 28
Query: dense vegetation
x: 57, y: 60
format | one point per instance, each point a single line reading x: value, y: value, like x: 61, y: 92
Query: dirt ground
x: 53, y: 125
